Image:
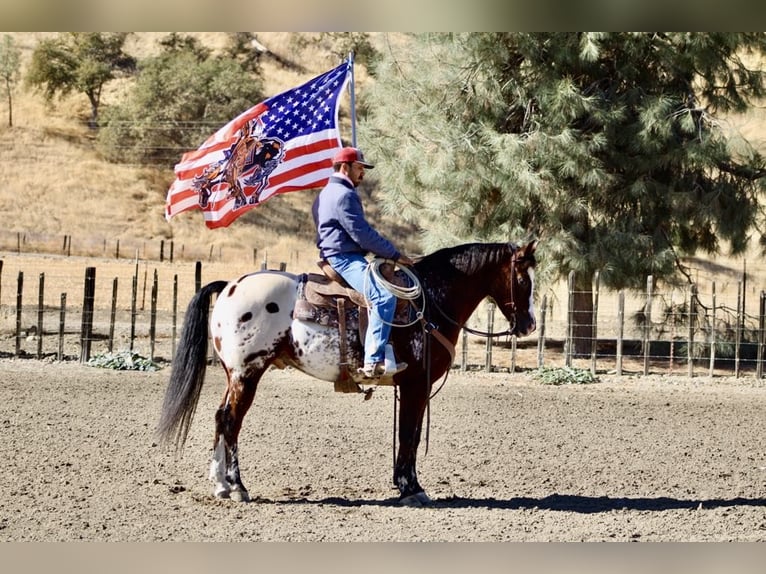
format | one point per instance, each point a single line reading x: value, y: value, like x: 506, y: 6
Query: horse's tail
x: 188, y: 369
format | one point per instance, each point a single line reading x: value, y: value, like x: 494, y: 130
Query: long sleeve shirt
x: 341, y: 224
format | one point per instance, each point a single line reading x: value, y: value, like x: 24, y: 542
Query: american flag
x: 284, y: 143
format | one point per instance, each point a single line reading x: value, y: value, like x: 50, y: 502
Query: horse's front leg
x: 224, y: 466
x: 412, y: 405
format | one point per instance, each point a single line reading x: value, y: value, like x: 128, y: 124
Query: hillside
x: 53, y: 183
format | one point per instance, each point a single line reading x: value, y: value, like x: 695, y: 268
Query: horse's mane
x: 468, y: 258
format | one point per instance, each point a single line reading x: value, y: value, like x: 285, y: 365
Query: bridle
x: 511, y: 304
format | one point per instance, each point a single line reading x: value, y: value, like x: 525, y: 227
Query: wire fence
x: 72, y: 308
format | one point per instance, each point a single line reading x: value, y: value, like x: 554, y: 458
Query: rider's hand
x: 404, y: 260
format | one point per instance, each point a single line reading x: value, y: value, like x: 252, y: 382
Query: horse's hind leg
x: 224, y: 466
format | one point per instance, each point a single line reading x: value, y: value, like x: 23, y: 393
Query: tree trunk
x: 582, y: 316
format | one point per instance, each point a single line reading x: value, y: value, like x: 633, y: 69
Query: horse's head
x: 515, y: 296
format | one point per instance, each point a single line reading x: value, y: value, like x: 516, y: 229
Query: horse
x: 253, y: 327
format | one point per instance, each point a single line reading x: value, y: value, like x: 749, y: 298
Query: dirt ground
x: 509, y: 459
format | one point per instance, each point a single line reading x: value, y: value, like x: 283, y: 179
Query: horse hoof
x: 240, y: 496
x: 221, y: 492
x: 417, y: 500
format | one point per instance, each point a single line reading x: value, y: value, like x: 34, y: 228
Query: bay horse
x: 253, y: 327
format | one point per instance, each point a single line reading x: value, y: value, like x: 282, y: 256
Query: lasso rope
x: 408, y: 293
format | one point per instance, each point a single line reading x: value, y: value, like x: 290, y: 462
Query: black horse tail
x: 188, y: 369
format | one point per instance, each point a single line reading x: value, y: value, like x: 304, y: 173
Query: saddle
x: 326, y: 299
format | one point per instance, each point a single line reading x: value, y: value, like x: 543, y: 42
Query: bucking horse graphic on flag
x: 249, y: 161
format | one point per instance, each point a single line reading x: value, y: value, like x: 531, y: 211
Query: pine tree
x: 607, y: 146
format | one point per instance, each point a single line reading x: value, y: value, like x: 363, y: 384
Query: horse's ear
x: 529, y: 248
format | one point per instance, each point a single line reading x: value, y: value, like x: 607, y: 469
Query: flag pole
x: 353, y: 101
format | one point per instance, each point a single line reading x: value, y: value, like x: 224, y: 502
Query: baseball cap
x: 351, y: 154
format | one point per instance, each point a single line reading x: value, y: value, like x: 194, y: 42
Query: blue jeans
x: 353, y: 268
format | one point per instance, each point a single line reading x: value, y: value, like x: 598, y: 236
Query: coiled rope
x: 408, y: 293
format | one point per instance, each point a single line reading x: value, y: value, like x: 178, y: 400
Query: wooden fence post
x: 761, y: 324
x: 464, y: 358
x: 175, y: 317
x: 620, y: 329
x: 569, y: 338
x: 197, y: 276
x: 490, y: 329
x: 647, y: 321
x: 692, y: 317
x: 113, y: 314
x: 541, y: 333
x: 19, y: 301
x: 1, y: 280
x: 86, y: 330
x: 40, y: 311
x: 513, y: 353
x: 133, y: 304
x: 594, y: 321
x: 153, y: 318
x: 62, y: 322
x: 712, y: 333
x: 738, y: 329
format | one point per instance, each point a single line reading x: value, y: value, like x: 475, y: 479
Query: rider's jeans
x: 353, y: 268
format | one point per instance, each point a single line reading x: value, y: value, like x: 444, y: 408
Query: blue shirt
x: 341, y: 225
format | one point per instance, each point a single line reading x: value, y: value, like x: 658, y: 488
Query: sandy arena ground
x: 509, y: 459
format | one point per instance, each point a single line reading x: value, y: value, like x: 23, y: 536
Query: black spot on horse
x: 246, y: 317
x: 272, y: 307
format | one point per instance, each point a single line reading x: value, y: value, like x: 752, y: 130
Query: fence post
x: 19, y: 301
x: 761, y: 321
x: 113, y: 314
x: 620, y: 329
x: 175, y: 317
x: 40, y: 311
x: 541, y: 333
x: 153, y: 318
x: 513, y: 353
x: 594, y: 322
x: 692, y: 316
x: 197, y: 276
x: 133, y: 303
x: 86, y: 330
x: 568, y: 351
x: 1, y: 280
x: 712, y: 334
x: 62, y: 322
x: 647, y: 321
x: 490, y: 329
x: 464, y: 358
x: 738, y: 329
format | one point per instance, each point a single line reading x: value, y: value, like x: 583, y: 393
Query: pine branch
x: 742, y: 171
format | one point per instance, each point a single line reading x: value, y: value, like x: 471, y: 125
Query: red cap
x: 351, y: 154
